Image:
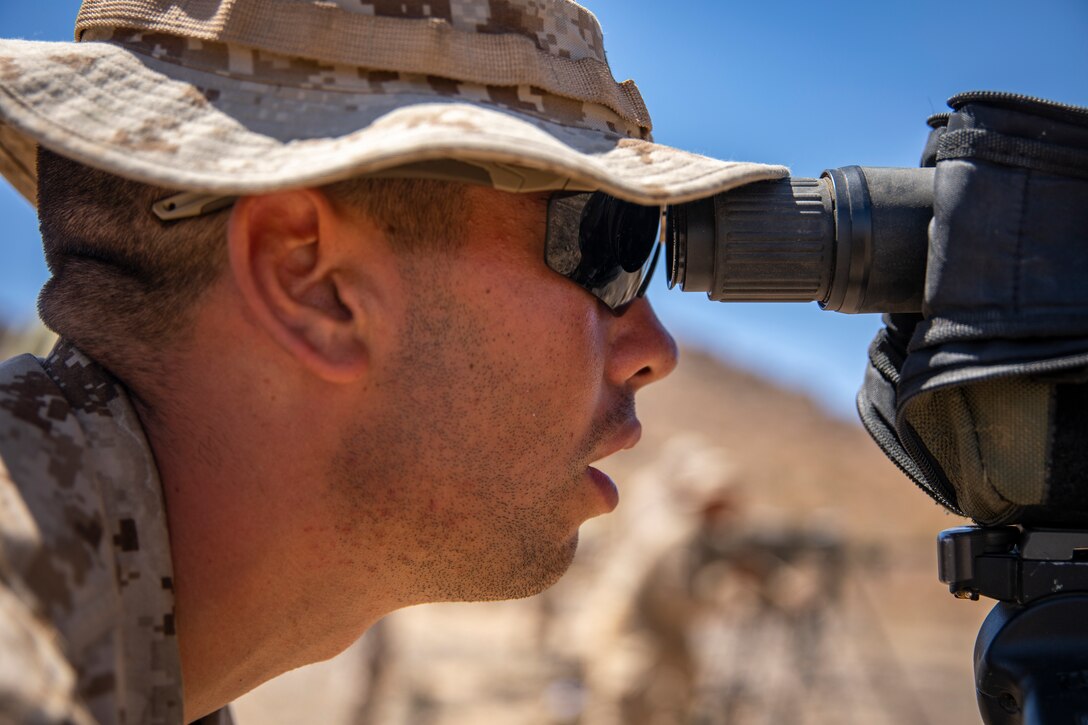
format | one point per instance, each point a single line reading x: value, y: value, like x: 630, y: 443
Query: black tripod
x: 1031, y: 655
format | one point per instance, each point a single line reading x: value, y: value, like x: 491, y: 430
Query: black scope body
x: 853, y: 240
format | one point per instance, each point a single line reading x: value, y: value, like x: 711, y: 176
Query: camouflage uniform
x: 86, y: 583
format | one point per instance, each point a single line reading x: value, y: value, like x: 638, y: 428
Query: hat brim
x: 160, y: 123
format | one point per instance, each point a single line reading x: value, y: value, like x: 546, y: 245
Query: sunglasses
x: 603, y: 244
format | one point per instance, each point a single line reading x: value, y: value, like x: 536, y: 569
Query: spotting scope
x: 977, y: 387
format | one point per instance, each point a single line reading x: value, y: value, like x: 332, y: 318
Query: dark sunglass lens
x: 602, y: 243
x: 595, y: 243
x: 634, y: 231
x: 617, y: 235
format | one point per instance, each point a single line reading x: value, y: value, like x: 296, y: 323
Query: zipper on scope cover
x: 894, y: 450
x: 935, y: 484
x: 903, y: 451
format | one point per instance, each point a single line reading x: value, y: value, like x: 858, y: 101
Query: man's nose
x: 641, y: 351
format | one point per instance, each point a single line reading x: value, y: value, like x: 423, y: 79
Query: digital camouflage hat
x: 248, y: 96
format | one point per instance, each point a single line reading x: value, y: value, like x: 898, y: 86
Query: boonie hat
x: 240, y: 97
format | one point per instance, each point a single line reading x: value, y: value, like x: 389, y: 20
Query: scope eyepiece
x: 854, y: 240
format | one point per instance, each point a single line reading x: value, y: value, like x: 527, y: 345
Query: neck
x: 256, y: 593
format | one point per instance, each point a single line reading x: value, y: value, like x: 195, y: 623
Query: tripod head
x: 1030, y: 655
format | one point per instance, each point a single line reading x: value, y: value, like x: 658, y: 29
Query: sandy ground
x: 893, y: 648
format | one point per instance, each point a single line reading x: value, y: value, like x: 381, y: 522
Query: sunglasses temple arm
x: 190, y: 204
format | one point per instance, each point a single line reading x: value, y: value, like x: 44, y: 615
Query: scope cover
x: 983, y: 398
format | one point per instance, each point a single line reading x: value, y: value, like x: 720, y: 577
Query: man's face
x: 505, y: 381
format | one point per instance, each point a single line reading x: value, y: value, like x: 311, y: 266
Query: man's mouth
x: 627, y: 437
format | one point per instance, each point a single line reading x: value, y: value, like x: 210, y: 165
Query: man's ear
x: 288, y: 265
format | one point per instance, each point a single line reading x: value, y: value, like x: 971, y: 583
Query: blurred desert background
x: 766, y: 564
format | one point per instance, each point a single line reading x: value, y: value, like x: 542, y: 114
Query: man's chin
x: 531, y: 575
x: 554, y: 571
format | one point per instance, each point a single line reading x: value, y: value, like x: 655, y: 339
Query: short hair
x: 124, y: 284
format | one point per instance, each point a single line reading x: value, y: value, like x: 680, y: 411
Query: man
x: 343, y: 326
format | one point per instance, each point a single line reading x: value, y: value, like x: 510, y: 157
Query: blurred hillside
x: 766, y: 564
x: 30, y: 337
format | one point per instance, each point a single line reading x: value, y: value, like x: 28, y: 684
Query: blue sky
x: 810, y: 85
